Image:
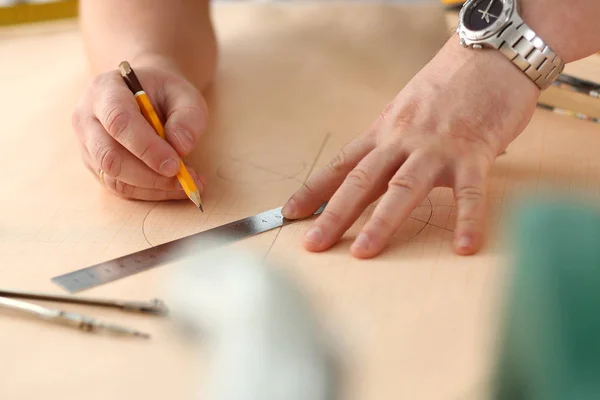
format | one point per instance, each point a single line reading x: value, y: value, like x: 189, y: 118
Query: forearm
x: 569, y: 27
x: 174, y: 34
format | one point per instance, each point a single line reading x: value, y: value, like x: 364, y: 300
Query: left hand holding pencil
x: 120, y: 147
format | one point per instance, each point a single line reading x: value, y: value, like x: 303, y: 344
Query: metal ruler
x: 152, y: 257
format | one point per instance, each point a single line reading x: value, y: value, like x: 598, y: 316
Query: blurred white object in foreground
x: 263, y: 339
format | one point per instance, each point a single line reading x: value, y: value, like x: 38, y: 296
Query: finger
x: 319, y: 188
x: 363, y: 185
x: 106, y: 153
x: 470, y: 195
x: 406, y: 190
x: 128, y: 191
x: 116, y: 109
x: 186, y: 116
x: 131, y: 191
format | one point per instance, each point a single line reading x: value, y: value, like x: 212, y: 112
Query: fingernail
x: 289, y: 209
x: 184, y: 138
x: 169, y: 167
x: 314, y: 235
x: 465, y: 242
x: 361, y: 243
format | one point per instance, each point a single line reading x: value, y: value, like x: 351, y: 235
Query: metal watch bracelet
x: 529, y: 53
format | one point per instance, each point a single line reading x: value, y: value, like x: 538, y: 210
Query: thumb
x: 186, y: 115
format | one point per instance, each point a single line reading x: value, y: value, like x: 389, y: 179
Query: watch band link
x: 530, y: 54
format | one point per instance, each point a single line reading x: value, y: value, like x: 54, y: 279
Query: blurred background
x: 25, y: 11
x: 13, y: 12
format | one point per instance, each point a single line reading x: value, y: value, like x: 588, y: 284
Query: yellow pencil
x: 184, y: 177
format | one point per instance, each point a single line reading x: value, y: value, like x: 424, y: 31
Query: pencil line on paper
x: 429, y: 224
x: 257, y: 166
x: 312, y: 167
x: 144, y: 223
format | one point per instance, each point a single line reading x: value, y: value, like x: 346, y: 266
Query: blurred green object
x: 24, y: 13
x: 550, y: 343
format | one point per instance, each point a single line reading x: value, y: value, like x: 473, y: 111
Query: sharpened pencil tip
x: 195, y: 198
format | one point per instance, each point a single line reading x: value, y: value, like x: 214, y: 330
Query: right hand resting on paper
x: 119, y: 146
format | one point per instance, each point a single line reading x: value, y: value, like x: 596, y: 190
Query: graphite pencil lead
x: 195, y: 198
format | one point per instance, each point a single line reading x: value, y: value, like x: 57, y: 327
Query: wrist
x: 156, y: 60
x: 197, y: 70
x: 487, y: 68
x: 499, y: 25
x: 568, y: 29
x: 495, y: 91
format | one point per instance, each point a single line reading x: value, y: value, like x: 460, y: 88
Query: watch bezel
x: 470, y: 36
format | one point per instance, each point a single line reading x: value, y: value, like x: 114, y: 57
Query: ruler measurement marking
x: 152, y: 257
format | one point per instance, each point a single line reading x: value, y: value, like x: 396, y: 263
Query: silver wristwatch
x: 497, y: 24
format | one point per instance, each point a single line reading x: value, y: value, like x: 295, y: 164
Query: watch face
x: 481, y: 14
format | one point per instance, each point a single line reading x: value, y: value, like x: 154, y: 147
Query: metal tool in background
x: 152, y: 257
x: 154, y: 306
x: 74, y: 320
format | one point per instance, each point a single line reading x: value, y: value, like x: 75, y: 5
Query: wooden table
x: 295, y: 83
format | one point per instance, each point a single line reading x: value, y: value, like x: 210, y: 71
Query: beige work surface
x: 295, y: 83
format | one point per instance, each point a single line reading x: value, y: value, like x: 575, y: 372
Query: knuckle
x: 404, y: 182
x: 386, y: 110
x: 195, y: 111
x: 309, y: 190
x: 332, y: 217
x: 196, y: 104
x: 470, y: 193
x: 339, y: 162
x: 151, y: 148
x: 403, y: 121
x: 111, y: 184
x: 468, y: 219
x: 123, y: 189
x: 98, y: 82
x: 379, y: 224
x: 358, y: 178
x: 109, y: 161
x: 117, y: 120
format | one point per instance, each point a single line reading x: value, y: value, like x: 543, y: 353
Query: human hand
x: 116, y: 139
x: 445, y: 128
